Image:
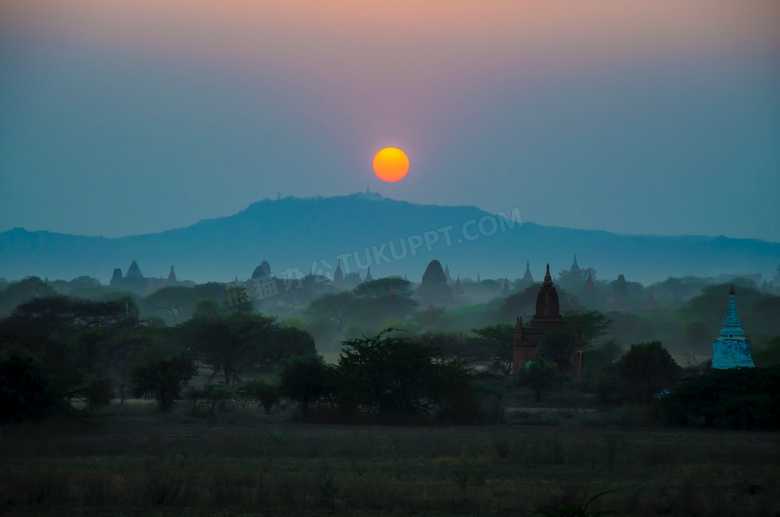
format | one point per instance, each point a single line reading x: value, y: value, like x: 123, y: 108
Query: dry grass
x: 143, y: 463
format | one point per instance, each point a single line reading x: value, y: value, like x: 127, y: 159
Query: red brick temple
x: 547, y: 318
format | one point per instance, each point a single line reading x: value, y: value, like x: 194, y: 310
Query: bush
x: 541, y: 375
x: 386, y: 375
x: 306, y: 380
x: 646, y: 369
x: 740, y: 398
x: 266, y: 394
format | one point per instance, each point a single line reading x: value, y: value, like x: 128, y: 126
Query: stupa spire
x: 732, y: 348
x: 528, y: 277
x: 575, y: 266
x: 338, y: 275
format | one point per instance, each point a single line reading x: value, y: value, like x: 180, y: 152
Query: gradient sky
x: 136, y: 116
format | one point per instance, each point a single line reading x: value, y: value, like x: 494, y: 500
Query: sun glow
x: 391, y: 164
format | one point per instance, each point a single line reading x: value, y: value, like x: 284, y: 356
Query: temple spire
x: 575, y: 267
x: 547, y: 277
x: 338, y: 275
x: 528, y: 277
x: 172, y: 278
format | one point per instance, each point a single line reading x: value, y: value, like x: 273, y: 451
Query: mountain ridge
x: 296, y: 233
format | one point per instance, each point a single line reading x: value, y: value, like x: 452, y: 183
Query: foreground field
x: 139, y: 463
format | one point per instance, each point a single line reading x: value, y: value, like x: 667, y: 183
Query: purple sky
x: 134, y: 116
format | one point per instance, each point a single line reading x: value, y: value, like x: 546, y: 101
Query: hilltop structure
x: 133, y: 280
x: 547, y: 318
x: 732, y: 348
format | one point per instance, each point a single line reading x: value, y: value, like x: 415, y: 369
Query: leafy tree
x: 541, y: 375
x: 228, y: 345
x: 163, y: 379
x: 594, y: 324
x: 23, y: 291
x: 174, y: 304
x: 380, y: 288
x: 385, y: 374
x: 453, y: 346
x: 306, y: 380
x: 646, y: 369
x: 207, y: 308
x: 338, y: 308
x: 497, y: 341
x: 558, y: 346
x: 61, y: 316
x: 385, y: 297
x: 284, y: 342
x: 76, y: 341
x: 431, y: 318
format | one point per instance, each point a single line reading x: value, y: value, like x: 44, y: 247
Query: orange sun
x: 391, y: 164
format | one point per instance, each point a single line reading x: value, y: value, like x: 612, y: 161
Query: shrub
x: 306, y: 380
x: 391, y: 375
x: 266, y: 394
x: 541, y: 375
x: 740, y: 398
x: 646, y: 369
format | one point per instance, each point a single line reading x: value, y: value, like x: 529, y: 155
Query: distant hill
x: 294, y: 233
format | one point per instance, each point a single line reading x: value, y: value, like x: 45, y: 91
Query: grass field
x: 139, y: 462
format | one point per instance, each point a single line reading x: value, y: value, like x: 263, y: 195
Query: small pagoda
x: 732, y: 348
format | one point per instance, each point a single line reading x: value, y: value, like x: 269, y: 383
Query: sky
x: 136, y: 116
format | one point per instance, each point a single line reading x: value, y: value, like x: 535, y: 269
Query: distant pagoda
x: 732, y: 348
x: 528, y: 277
x: 548, y: 318
x: 338, y: 275
x: 575, y: 268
